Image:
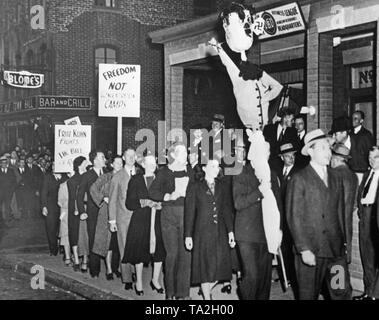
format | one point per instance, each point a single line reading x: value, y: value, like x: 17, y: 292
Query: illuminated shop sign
x: 23, y: 79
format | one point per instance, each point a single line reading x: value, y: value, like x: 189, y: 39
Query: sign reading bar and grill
x: 282, y: 20
x: 47, y: 102
x: 23, y: 79
x: 56, y: 102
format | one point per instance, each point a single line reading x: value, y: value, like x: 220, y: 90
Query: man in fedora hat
x: 314, y: 209
x: 341, y: 127
x: 340, y: 157
x: 290, y: 167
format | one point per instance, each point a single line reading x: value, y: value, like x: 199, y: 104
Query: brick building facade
x: 332, y: 64
x: 78, y: 35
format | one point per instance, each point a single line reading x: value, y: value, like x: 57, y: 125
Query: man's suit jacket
x: 248, y: 203
x: 7, y: 181
x: 283, y: 183
x: 301, y: 161
x: 117, y: 197
x: 360, y: 147
x: 315, y: 213
x: 31, y: 177
x: 39, y: 175
x: 350, y: 189
x: 49, y: 193
x: 360, y: 193
x: 86, y: 182
x: 270, y: 133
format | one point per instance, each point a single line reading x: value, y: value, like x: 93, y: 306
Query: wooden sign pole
x: 119, y: 135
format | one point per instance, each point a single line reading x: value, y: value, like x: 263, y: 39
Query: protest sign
x: 75, y: 121
x: 70, y: 142
x: 119, y: 90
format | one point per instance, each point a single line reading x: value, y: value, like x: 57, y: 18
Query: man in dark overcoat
x: 340, y: 157
x: 250, y: 233
x: 89, y: 211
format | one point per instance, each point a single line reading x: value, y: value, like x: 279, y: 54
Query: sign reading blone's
x: 119, y: 90
x: 23, y: 79
x: 282, y: 20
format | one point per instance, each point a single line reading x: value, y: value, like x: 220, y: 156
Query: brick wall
x: 75, y: 28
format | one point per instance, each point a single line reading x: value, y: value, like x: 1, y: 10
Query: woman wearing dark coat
x: 50, y: 208
x: 143, y: 245
x: 208, y: 229
x: 80, y: 164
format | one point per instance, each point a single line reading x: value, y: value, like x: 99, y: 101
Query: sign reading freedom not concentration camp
x: 282, y: 20
x: 70, y: 142
x: 119, y: 90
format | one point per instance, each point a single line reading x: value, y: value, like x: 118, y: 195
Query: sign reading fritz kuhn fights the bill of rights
x: 23, y: 79
x: 282, y: 20
x: 119, y: 90
x: 70, y: 142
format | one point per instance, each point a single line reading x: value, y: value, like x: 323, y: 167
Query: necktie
x: 367, y: 186
x: 325, y: 177
x: 285, y: 175
x: 281, y: 135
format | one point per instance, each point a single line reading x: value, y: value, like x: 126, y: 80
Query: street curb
x: 61, y: 281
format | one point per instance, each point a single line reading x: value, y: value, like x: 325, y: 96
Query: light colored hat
x: 287, y: 148
x: 310, y: 139
x: 3, y: 158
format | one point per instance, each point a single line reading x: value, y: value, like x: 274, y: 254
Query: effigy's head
x: 238, y: 25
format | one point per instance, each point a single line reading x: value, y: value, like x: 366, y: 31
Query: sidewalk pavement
x: 56, y: 273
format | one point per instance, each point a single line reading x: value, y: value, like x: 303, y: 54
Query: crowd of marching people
x: 21, y: 180
x: 198, y: 225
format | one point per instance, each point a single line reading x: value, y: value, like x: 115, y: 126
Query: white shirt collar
x: 133, y: 169
x: 288, y: 169
x: 321, y: 170
x: 280, y: 128
x: 302, y: 134
x: 357, y: 129
x: 348, y: 142
x: 97, y: 170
